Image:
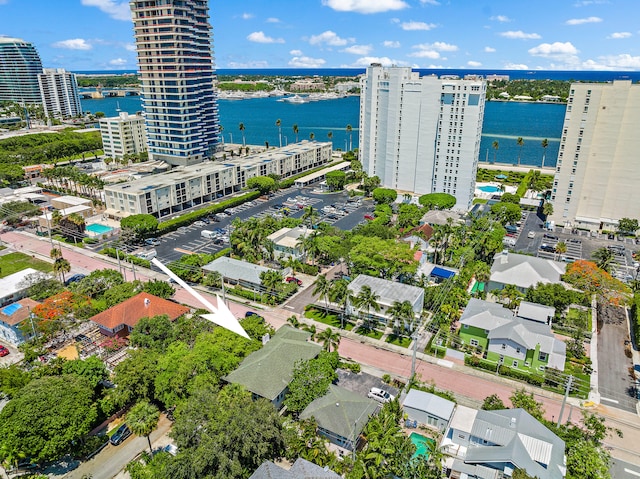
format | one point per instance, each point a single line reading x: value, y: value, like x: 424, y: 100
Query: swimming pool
x: 422, y: 444
x: 98, y: 229
x: 489, y: 189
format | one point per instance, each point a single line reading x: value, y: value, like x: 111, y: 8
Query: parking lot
x: 332, y: 208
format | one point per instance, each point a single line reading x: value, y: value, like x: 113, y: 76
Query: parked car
x: 199, y: 223
x: 293, y: 279
x: 120, y: 435
x: 380, y: 395
x: 531, y: 235
x: 368, y: 217
x: 547, y: 235
x: 205, y: 220
x: 182, y: 229
x: 152, y: 241
x: 73, y: 279
x: 3, y: 351
x: 250, y: 313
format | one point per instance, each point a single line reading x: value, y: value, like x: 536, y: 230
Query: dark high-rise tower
x: 175, y: 59
x: 20, y: 66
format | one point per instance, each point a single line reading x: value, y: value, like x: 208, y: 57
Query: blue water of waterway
x: 503, y: 122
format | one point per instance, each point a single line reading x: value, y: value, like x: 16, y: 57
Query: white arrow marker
x: 221, y: 315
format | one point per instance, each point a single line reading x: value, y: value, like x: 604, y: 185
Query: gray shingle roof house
x: 388, y: 292
x: 518, y: 342
x: 428, y: 409
x: 341, y: 415
x: 301, y: 469
x: 523, y: 271
x: 488, y: 442
x: 536, y: 312
x: 237, y: 271
x: 267, y: 372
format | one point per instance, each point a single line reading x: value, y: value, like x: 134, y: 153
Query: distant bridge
x: 99, y: 93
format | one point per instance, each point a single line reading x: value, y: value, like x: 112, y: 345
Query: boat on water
x: 294, y: 99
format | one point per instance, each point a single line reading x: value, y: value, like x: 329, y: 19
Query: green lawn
x: 578, y: 318
x: 318, y: 314
x: 402, y: 341
x: 370, y: 333
x: 14, y: 262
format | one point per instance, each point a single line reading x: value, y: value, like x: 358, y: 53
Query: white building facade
x: 597, y: 175
x: 20, y: 66
x: 186, y: 187
x: 421, y: 134
x: 59, y: 90
x: 123, y: 135
x: 175, y: 60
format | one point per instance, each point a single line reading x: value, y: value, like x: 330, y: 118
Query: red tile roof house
x: 122, y: 318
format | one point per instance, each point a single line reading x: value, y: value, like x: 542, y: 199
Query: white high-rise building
x: 20, y: 66
x: 597, y: 176
x: 421, y: 134
x: 175, y: 59
x: 59, y: 91
x: 123, y: 135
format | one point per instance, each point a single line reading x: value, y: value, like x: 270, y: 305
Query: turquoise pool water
x: 489, y: 189
x: 422, y: 444
x: 98, y: 228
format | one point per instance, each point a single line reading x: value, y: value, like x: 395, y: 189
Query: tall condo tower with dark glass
x: 175, y: 58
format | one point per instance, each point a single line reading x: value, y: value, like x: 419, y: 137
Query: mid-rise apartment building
x: 59, y: 91
x: 20, y: 66
x: 175, y: 60
x: 185, y: 187
x: 421, y: 134
x: 597, y: 174
x: 123, y: 135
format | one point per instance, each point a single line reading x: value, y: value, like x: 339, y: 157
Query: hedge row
x: 188, y: 218
x: 309, y: 269
x: 476, y: 362
x: 635, y: 317
x: 524, y: 184
x: 126, y: 257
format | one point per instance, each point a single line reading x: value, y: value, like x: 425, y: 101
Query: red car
x: 3, y: 351
x: 293, y: 279
x: 368, y: 217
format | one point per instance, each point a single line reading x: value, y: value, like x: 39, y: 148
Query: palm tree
x: 401, y: 314
x: 366, y: 300
x: 547, y: 209
x: 495, y: 146
x: 520, y: 143
x: 143, y: 419
x: 271, y: 280
x: 61, y: 266
x: 544, y: 143
x: 293, y: 321
x: 241, y: 128
x: 296, y: 130
x: 349, y: 130
x: 340, y: 295
x: 511, y: 293
x: 310, y: 213
x: 329, y: 339
x: 322, y: 288
x: 312, y: 136
x: 221, y: 129
x: 561, y: 247
x: 55, y: 253
x: 604, y: 258
x: 330, y: 135
x: 279, y: 125
x: 293, y: 263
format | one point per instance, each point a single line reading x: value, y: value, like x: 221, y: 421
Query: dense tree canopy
x: 311, y: 379
x: 137, y: 227
x: 264, y: 184
x: 336, y: 179
x: 628, y: 225
x: 46, y: 416
x: 381, y: 258
x: 438, y: 201
x: 384, y: 195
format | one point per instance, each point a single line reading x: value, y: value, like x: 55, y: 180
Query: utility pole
x: 133, y: 269
x: 566, y: 394
x: 119, y: 264
x: 415, y: 338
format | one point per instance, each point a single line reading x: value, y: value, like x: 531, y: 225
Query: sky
x: 81, y: 35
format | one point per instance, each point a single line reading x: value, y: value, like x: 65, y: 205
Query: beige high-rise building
x: 597, y: 179
x: 123, y: 135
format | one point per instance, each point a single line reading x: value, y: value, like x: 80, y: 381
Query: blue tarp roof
x: 12, y: 308
x: 442, y: 273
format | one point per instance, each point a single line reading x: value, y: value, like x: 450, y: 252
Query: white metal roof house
x: 14, y: 287
x: 492, y: 444
x: 237, y: 271
x: 536, y: 312
x: 388, y: 292
x: 428, y: 409
x: 523, y: 271
x: 285, y: 242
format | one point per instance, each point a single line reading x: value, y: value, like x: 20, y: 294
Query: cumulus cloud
x: 306, y: 62
x: 520, y: 35
x: 432, y: 50
x: 384, y: 61
x: 329, y: 38
x: 365, y: 6
x: 117, y: 62
x: 430, y: 2
x: 391, y: 44
x: 410, y: 26
x: 489, y: 49
x: 553, y: 50
x: 358, y: 49
x: 295, y: 53
x: 473, y: 64
x: 623, y: 61
x: 515, y: 66
x: 250, y: 64
x: 618, y: 35
x: 130, y: 47
x: 260, y: 37
x: 581, y: 21
x: 73, y: 44
x: 247, y: 16
x: 425, y: 54
x: 273, y: 20
x: 116, y: 10
x: 500, y: 18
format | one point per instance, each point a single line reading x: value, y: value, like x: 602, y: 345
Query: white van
x: 149, y: 254
x: 207, y: 234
